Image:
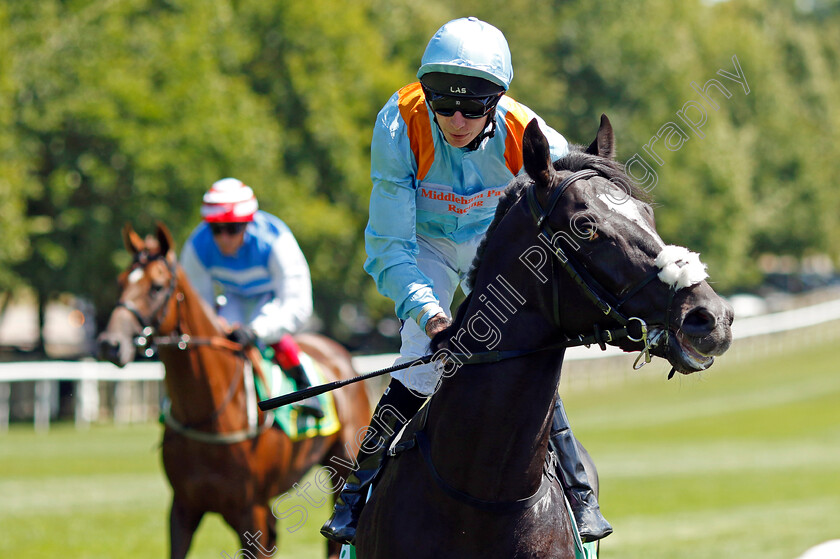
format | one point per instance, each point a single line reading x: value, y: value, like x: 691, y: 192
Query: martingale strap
x: 498, y: 507
x: 415, y: 435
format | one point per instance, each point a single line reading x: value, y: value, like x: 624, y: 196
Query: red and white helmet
x: 229, y: 201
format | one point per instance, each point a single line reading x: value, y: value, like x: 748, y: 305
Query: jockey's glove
x: 243, y: 335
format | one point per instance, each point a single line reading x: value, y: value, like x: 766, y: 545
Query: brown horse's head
x: 599, y: 231
x: 147, y: 288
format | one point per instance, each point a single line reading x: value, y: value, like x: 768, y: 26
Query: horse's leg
x: 183, y: 522
x: 256, y: 528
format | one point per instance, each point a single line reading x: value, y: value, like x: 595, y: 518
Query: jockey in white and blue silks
x: 443, y: 150
x: 251, y: 259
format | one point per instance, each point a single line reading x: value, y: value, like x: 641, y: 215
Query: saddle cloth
x: 296, y: 425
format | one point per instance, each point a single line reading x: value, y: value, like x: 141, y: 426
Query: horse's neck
x: 504, y: 408
x: 196, y: 318
x: 197, y: 379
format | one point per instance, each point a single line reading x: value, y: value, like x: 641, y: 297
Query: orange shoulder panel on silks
x: 412, y: 104
x: 516, y: 120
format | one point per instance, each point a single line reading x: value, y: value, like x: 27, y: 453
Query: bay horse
x: 219, y: 452
x: 571, y: 257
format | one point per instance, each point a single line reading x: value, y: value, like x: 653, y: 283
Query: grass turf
x: 740, y: 461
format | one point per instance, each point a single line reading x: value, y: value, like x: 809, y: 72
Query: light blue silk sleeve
x: 390, y: 236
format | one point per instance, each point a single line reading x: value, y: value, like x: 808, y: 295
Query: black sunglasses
x: 470, y: 107
x: 228, y: 228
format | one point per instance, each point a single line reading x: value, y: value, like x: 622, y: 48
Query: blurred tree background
x: 127, y: 110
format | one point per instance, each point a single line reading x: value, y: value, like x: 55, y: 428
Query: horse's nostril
x: 699, y: 322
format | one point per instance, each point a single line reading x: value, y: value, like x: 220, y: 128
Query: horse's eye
x: 155, y: 289
x: 585, y: 226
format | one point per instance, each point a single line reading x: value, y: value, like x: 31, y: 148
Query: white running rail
x: 88, y: 374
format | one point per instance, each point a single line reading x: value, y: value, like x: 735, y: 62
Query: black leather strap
x: 498, y: 507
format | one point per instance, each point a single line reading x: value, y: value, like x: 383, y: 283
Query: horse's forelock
x: 152, y: 245
x: 578, y: 160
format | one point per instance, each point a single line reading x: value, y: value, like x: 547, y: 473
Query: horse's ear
x: 133, y: 242
x: 164, y: 239
x: 604, y: 143
x: 536, y: 154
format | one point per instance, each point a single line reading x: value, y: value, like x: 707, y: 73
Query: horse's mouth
x: 689, y: 358
x: 680, y: 351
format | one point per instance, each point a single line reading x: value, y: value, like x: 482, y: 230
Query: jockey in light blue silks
x: 251, y: 259
x: 443, y: 150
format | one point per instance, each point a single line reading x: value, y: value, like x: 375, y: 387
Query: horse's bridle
x: 148, y: 340
x: 608, y: 304
x: 149, y: 324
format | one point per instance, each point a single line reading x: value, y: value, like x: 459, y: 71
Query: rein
x: 595, y: 292
x: 600, y: 337
x: 632, y: 328
x: 183, y: 342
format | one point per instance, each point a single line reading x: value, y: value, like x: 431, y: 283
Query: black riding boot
x: 396, y: 407
x: 310, y: 406
x: 590, y: 522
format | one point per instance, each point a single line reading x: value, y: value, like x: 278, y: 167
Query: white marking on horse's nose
x: 136, y: 275
x: 630, y: 210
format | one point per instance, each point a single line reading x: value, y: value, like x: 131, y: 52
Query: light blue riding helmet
x: 469, y: 47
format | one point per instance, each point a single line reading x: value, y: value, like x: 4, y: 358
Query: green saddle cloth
x: 297, y: 426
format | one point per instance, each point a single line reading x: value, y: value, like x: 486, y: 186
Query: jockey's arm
x: 390, y: 236
x: 291, y: 306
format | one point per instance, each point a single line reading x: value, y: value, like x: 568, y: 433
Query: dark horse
x: 571, y: 257
x: 218, y: 451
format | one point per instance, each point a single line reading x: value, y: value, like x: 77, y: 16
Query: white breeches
x: 447, y: 265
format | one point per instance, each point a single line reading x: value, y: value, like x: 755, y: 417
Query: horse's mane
x: 576, y: 160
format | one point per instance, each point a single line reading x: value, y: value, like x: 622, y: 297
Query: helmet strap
x: 488, y: 132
